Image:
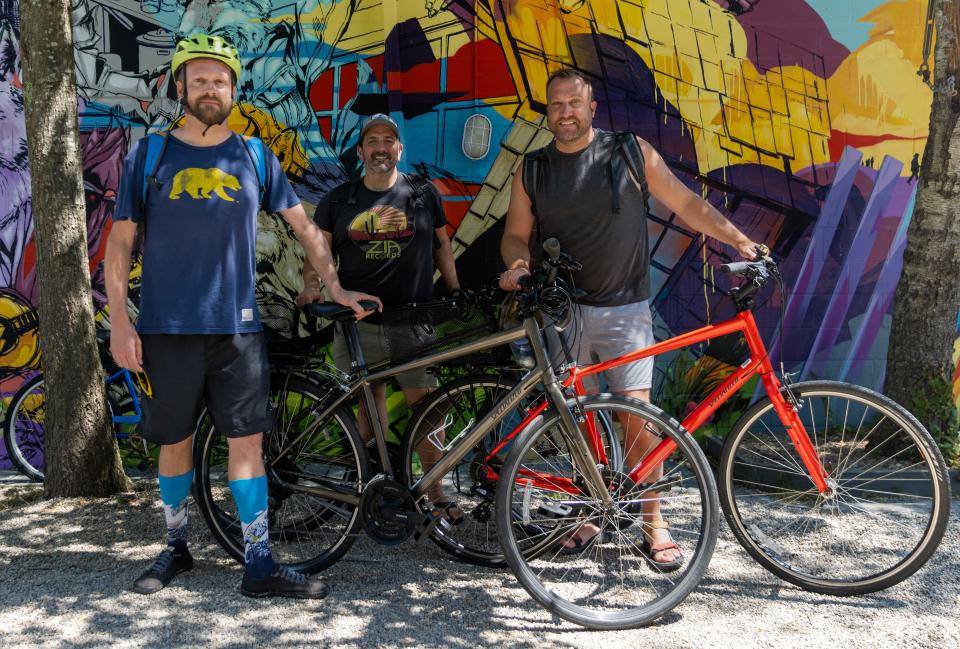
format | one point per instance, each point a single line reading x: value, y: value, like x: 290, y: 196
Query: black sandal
x: 445, y: 506
x: 650, y: 551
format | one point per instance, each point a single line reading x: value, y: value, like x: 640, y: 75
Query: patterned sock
x: 251, y: 498
x: 174, y: 492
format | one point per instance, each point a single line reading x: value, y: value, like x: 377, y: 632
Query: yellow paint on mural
x: 876, y: 90
x: 698, y: 56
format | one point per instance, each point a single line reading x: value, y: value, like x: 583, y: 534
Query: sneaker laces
x: 288, y: 574
x: 162, y: 564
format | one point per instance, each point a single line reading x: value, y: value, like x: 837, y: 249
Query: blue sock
x: 251, y: 498
x: 174, y: 491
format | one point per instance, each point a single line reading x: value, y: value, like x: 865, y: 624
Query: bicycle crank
x: 388, y: 512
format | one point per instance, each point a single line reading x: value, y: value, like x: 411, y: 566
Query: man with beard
x: 587, y: 198
x: 198, y: 337
x: 388, y: 230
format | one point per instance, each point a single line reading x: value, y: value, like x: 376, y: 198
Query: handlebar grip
x: 368, y: 305
x: 525, y: 282
x: 552, y: 247
x: 737, y: 267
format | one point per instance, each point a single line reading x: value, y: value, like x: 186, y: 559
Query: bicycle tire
x: 458, y: 404
x: 609, y: 584
x: 23, y: 433
x: 307, y: 532
x: 889, y: 513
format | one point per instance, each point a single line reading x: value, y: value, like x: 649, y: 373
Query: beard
x: 208, y: 113
x: 570, y: 135
x: 380, y: 164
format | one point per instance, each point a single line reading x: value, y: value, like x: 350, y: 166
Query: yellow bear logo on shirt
x: 203, y: 183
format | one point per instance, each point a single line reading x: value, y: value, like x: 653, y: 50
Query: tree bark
x: 919, y: 366
x: 81, y: 455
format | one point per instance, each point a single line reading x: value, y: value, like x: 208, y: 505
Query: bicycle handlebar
x: 756, y: 273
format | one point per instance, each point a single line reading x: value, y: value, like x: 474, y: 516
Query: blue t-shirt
x: 199, y: 257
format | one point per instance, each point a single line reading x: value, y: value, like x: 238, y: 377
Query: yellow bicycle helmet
x: 203, y: 46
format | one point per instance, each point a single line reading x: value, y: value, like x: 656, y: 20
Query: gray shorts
x: 601, y: 333
x: 374, y: 347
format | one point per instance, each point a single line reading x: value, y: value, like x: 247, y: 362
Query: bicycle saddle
x: 334, y: 311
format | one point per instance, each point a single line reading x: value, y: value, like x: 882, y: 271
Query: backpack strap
x: 254, y: 147
x: 420, y: 185
x: 531, y: 172
x: 156, y: 144
x: 633, y: 156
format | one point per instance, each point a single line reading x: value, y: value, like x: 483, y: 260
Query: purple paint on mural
x: 856, y: 260
x: 799, y: 37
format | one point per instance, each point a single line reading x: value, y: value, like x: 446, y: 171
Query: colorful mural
x: 803, y: 121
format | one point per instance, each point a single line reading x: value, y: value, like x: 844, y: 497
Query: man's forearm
x: 319, y: 257
x: 704, y: 217
x: 311, y: 278
x: 443, y: 258
x: 116, y: 266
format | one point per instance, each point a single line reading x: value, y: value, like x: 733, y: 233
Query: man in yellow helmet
x: 198, y: 336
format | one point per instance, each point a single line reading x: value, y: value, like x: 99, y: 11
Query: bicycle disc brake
x: 388, y: 512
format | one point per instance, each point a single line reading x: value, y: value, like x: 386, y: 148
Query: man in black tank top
x: 586, y: 196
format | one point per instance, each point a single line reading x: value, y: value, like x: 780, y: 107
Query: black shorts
x: 228, y: 373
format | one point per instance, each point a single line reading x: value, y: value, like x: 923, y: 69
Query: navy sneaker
x: 284, y: 582
x: 168, y: 565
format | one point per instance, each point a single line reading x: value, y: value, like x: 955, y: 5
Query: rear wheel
x: 308, y: 531
x: 891, y: 495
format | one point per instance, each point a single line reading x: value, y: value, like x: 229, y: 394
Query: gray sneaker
x: 284, y: 582
x: 167, y: 566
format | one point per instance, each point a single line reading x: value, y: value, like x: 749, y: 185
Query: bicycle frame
x: 758, y: 363
x: 542, y: 373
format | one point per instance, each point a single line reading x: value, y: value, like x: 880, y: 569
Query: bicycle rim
x: 890, y: 504
x: 24, y: 428
x: 611, y: 583
x: 307, y: 532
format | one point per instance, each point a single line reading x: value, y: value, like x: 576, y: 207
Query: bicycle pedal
x: 554, y: 510
x: 429, y: 523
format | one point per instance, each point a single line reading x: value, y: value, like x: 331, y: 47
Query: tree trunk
x: 919, y: 366
x: 81, y: 453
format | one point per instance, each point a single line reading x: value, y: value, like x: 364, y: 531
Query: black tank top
x: 575, y: 203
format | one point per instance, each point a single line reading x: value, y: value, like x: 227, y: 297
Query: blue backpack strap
x: 156, y: 144
x: 254, y: 146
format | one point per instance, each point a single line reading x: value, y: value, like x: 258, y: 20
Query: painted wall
x: 803, y: 121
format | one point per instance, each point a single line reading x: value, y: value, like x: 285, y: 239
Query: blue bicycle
x: 23, y: 429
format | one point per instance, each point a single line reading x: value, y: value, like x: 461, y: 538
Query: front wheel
x: 889, y: 504
x: 611, y: 582
x: 308, y: 532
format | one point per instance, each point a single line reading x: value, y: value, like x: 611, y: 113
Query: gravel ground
x: 67, y: 564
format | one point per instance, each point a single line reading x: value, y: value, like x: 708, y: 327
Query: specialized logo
x: 382, y: 232
x: 204, y: 183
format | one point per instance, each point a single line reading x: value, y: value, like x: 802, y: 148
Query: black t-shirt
x: 575, y: 205
x: 384, y: 240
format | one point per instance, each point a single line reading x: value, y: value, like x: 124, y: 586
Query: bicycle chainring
x: 388, y: 512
